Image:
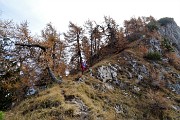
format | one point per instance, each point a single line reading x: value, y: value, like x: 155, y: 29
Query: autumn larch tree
x: 110, y: 30
x: 47, y: 53
x: 136, y: 28
x: 74, y: 36
x: 10, y: 82
x: 95, y: 34
x: 86, y: 48
x: 55, y: 51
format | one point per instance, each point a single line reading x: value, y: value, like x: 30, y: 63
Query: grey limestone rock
x: 106, y: 73
x: 172, y: 32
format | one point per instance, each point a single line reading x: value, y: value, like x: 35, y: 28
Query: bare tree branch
x: 32, y: 45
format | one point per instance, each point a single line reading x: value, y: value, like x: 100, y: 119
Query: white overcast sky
x: 40, y: 12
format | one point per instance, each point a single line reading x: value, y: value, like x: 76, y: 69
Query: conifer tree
x: 74, y: 36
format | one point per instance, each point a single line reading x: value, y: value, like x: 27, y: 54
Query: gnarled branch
x: 32, y: 45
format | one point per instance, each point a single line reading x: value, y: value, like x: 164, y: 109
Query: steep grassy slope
x: 133, y: 92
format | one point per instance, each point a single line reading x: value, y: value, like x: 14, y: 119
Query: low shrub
x: 152, y: 26
x: 134, y: 36
x: 174, y: 60
x: 166, y: 43
x: 166, y: 20
x: 153, y: 56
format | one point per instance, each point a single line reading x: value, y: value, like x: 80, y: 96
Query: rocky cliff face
x: 172, y: 31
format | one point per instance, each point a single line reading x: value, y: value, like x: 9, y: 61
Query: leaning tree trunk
x: 53, y: 77
x: 50, y: 72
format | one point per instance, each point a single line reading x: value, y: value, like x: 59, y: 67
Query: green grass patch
x: 1, y: 115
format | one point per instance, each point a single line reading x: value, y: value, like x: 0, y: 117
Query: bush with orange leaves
x: 174, y: 60
x: 143, y: 49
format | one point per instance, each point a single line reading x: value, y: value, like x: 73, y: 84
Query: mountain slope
x: 124, y: 95
x: 137, y: 83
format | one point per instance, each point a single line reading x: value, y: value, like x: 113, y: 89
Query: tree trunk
x: 53, y: 77
x: 54, y: 57
x: 79, y: 52
x: 91, y: 60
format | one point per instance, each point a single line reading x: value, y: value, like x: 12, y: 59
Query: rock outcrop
x: 172, y: 31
